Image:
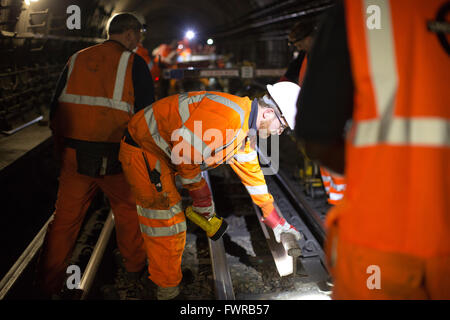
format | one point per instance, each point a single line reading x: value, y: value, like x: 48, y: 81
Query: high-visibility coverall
x: 389, y: 238
x: 334, y: 186
x: 182, y: 135
x: 92, y: 109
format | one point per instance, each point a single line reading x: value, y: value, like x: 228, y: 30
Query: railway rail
x: 246, y: 263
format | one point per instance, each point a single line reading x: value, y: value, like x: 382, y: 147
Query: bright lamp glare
x: 210, y: 41
x: 28, y: 2
x: 190, y: 34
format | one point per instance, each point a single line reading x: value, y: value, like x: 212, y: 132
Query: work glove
x: 279, y: 226
x: 203, y: 203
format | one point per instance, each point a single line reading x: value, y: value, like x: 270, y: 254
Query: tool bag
x: 96, y: 159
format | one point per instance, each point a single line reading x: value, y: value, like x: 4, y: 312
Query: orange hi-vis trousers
x: 160, y: 212
x: 75, y: 194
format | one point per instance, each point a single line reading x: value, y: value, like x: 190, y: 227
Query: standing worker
x: 302, y: 38
x: 98, y: 92
x: 140, y: 49
x: 182, y: 135
x: 388, y: 73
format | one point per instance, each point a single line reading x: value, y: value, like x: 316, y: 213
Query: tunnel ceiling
x: 166, y: 19
x: 170, y: 19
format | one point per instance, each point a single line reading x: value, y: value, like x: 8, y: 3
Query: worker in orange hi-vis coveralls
x: 382, y: 104
x: 99, y: 90
x: 182, y: 135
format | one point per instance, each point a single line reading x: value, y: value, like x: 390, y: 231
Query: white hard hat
x: 285, y: 94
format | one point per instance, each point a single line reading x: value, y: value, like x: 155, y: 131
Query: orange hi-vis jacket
x: 398, y: 148
x: 143, y: 52
x: 98, y: 99
x: 302, y: 73
x: 201, y: 130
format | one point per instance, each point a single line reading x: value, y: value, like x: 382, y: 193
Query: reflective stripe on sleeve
x: 245, y: 157
x: 196, y: 179
x: 253, y: 190
x: 335, y: 196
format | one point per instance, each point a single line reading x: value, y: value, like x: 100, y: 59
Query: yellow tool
x: 215, y: 227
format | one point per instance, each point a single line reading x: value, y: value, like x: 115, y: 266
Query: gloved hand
x: 203, y: 203
x: 279, y: 226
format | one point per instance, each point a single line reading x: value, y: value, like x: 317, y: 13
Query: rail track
x: 245, y: 264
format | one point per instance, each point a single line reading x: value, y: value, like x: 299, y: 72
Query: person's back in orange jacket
x: 182, y: 135
x: 100, y: 89
x: 384, y: 66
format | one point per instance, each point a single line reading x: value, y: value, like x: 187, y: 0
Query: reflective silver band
x: 382, y: 65
x: 194, y: 141
x: 163, y: 231
x: 228, y: 103
x: 95, y: 101
x: 153, y: 128
x: 254, y: 190
x: 245, y: 157
x: 183, y: 104
x: 196, y: 179
x: 432, y: 132
x: 120, y: 75
x: 335, y: 196
x: 114, y: 103
x: 159, y: 214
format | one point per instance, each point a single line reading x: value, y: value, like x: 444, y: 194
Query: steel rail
x: 20, y: 265
x: 304, y: 210
x: 221, y: 273
x: 96, y: 257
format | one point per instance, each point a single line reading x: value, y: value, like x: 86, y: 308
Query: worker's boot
x: 176, y: 293
x: 139, y: 287
x: 169, y: 293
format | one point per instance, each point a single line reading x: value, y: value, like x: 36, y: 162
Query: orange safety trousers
x: 161, y: 217
x: 75, y: 194
x: 365, y: 273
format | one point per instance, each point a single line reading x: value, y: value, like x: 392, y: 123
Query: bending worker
x: 383, y: 103
x: 182, y: 135
x: 98, y: 92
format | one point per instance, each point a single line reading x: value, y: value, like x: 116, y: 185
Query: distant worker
x: 173, y: 137
x: 165, y: 55
x: 375, y: 105
x: 140, y: 49
x: 302, y: 37
x: 99, y: 90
